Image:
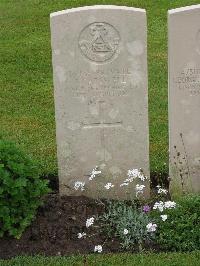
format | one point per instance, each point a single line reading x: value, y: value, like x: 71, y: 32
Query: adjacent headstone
x: 184, y: 99
x: 101, y: 97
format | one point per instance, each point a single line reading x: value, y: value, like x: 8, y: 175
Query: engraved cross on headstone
x: 102, y: 124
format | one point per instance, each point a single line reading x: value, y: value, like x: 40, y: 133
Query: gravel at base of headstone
x: 101, y: 98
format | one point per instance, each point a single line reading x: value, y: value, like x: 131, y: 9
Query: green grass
x: 26, y: 95
x: 162, y: 259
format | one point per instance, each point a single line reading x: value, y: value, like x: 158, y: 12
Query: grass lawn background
x: 125, y: 259
x: 26, y: 82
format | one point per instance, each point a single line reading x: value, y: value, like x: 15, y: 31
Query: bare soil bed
x: 55, y: 228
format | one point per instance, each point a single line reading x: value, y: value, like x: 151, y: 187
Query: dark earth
x: 55, y: 229
x: 56, y: 226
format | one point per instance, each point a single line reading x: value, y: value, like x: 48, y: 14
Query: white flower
x: 125, y: 231
x: 81, y: 235
x: 127, y: 180
x: 94, y: 173
x: 109, y: 185
x: 133, y: 173
x: 162, y: 190
x: 164, y: 205
x: 151, y: 227
x: 159, y: 205
x: 170, y: 204
x: 124, y: 184
x: 141, y: 177
x: 89, y: 222
x: 139, y: 189
x: 98, y: 249
x: 163, y: 217
x: 79, y: 184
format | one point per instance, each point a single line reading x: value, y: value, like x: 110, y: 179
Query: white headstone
x: 101, y: 97
x: 184, y: 99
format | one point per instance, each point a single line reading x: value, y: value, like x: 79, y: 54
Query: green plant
x: 128, y: 222
x: 20, y: 190
x: 181, y: 230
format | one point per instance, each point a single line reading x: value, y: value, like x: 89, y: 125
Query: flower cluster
x: 139, y: 189
x: 164, y: 205
x: 133, y: 175
x: 89, y: 222
x: 98, y: 249
x: 128, y: 232
x: 151, y: 227
x: 161, y: 206
x: 79, y: 185
x: 109, y: 185
x: 94, y: 173
x: 162, y: 190
x: 170, y: 204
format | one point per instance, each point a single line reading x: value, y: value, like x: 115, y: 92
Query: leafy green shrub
x: 128, y: 223
x: 181, y: 230
x: 20, y: 190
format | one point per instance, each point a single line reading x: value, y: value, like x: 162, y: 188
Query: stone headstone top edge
x: 183, y: 9
x: 96, y: 7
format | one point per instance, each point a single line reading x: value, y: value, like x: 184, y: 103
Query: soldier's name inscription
x: 189, y: 80
x: 112, y: 82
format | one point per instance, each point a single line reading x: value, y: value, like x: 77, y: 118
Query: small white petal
x: 98, y: 249
x: 163, y: 217
x: 89, y: 222
x: 151, y: 227
x: 162, y: 191
x: 125, y: 231
x: 170, y: 204
x: 79, y: 185
x: 159, y: 205
x: 94, y: 173
x: 81, y: 235
x: 124, y: 184
x: 109, y: 185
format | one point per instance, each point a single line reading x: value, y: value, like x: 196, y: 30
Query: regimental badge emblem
x: 99, y: 42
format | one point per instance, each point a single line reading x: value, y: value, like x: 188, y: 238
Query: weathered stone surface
x: 184, y: 99
x: 101, y: 98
